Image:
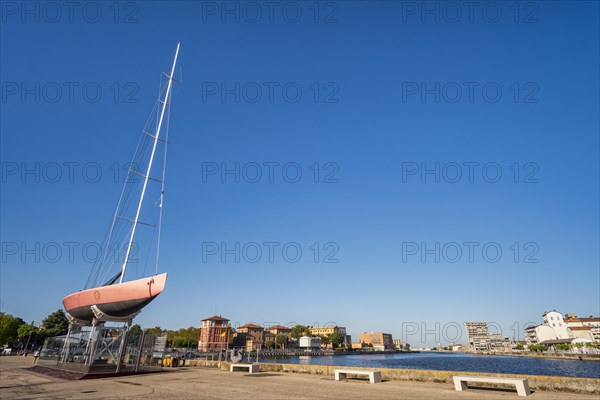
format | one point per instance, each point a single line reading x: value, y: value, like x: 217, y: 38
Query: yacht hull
x: 119, y: 300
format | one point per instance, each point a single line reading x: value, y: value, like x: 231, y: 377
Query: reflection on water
x: 459, y: 362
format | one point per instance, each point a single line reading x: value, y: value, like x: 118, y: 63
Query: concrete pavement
x: 16, y: 382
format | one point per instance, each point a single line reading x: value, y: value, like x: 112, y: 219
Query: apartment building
x: 379, y: 340
x: 478, y: 335
x: 214, y: 334
x: 252, y: 335
x: 577, y: 324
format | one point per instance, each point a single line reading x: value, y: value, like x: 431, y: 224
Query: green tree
x: 9, y: 327
x: 281, y: 340
x: 135, y: 329
x: 537, y: 348
x: 154, y: 331
x: 337, y: 339
x: 519, y: 347
x: 563, y: 347
x: 184, y: 337
x: 55, y: 324
x: 29, y: 331
x: 232, y: 337
x: 325, y: 340
x: 300, y: 330
x: 269, y: 344
x: 406, y: 347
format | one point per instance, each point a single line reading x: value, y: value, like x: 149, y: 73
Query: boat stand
x: 104, y: 345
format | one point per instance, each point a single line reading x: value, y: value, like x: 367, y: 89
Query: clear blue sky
x: 372, y: 123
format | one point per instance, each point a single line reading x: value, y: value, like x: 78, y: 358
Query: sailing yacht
x: 118, y: 298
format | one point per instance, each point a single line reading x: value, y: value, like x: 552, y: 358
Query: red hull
x: 120, y: 300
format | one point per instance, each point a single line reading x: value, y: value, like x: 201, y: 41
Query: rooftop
x: 215, y: 318
x: 580, y: 328
x: 251, y: 326
x: 280, y: 328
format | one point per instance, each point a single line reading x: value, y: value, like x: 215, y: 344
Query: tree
x: 406, y: 347
x: 325, y: 340
x: 135, y: 329
x: 9, y: 327
x: 269, y: 344
x: 154, y: 331
x: 300, y: 330
x: 519, y: 347
x: 537, y: 347
x: 55, y: 324
x: 184, y: 337
x: 29, y: 332
x: 233, y: 337
x: 336, y: 339
x: 281, y: 340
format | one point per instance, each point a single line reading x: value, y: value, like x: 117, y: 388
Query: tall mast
x: 137, y: 214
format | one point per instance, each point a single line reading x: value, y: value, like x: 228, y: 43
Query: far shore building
x: 252, y: 336
x: 280, y: 330
x: 558, y: 330
x: 214, y: 334
x: 593, y: 323
x: 379, y: 340
x: 499, y: 343
x: 397, y: 343
x: 272, y: 332
x: 309, y: 343
x: 478, y: 335
x: 330, y: 330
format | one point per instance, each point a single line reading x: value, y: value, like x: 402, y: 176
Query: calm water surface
x: 459, y: 362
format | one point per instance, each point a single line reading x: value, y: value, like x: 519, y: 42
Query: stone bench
x: 252, y: 368
x: 522, y: 384
x: 374, y: 376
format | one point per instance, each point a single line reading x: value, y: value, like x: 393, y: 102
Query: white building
x: 309, y: 343
x: 557, y: 329
x: 555, y: 320
x: 579, y: 324
x: 477, y: 332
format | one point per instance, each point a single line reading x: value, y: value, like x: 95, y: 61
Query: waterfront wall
x: 549, y: 383
x: 563, y: 356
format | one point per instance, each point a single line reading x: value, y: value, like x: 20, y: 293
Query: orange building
x: 280, y: 330
x: 214, y: 334
x: 277, y: 330
x: 380, y: 341
x: 252, y: 335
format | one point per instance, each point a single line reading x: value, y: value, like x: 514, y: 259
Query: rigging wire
x: 119, y: 229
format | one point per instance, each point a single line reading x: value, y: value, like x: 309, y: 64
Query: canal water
x: 458, y: 362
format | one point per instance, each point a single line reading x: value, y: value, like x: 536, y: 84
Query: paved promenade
x: 16, y: 382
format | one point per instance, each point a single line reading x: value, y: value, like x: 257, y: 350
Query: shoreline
x: 575, y: 357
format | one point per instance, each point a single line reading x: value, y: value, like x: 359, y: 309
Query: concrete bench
x: 252, y: 368
x: 374, y: 376
x: 522, y: 384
